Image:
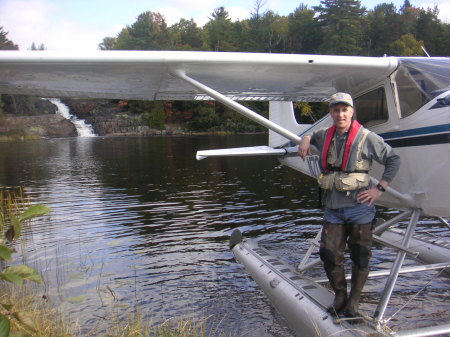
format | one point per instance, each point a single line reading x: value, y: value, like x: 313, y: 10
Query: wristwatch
x: 381, y: 188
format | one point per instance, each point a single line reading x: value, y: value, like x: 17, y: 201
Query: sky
x: 69, y: 25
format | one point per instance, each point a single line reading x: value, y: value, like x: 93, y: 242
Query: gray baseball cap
x: 341, y: 97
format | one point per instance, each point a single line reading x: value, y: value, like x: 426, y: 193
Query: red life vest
x: 352, y: 133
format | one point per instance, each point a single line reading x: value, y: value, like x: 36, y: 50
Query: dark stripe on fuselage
x: 429, y: 135
x: 442, y: 138
x: 427, y: 130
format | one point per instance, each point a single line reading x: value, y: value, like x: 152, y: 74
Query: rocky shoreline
x: 33, y: 127
x: 106, y: 119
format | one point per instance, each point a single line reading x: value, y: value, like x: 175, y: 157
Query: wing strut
x: 238, y: 107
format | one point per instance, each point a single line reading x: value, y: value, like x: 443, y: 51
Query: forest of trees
x: 336, y: 27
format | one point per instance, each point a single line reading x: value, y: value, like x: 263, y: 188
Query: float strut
x: 390, y: 283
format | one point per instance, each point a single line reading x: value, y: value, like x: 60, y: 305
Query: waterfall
x: 83, y: 129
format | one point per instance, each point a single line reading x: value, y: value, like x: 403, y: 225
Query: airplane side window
x: 410, y: 91
x: 371, y: 108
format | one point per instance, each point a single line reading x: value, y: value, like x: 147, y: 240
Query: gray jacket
x: 374, y: 148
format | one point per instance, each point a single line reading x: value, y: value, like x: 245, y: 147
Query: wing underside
x: 151, y: 75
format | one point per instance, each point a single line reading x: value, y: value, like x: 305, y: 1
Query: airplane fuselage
x: 411, y: 111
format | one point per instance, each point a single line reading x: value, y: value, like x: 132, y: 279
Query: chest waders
x: 335, y: 237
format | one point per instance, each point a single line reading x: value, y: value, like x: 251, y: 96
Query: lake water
x: 139, y: 222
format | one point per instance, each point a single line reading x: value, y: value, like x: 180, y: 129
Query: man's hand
x: 372, y: 194
x: 304, y: 148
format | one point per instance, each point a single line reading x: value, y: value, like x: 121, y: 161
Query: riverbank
x: 55, y: 126
x: 34, y: 118
x: 35, y: 127
x: 34, y: 315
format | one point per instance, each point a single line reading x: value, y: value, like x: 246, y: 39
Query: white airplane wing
x: 154, y: 75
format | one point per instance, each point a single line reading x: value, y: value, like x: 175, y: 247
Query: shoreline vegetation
x: 31, y: 118
x: 39, y: 119
x: 37, y: 317
x: 25, y: 311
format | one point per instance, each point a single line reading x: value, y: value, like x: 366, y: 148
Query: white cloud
x: 24, y: 20
x: 174, y: 10
x: 38, y: 21
x: 73, y: 36
x: 239, y: 13
x: 191, y: 6
x: 444, y: 9
x: 444, y: 14
x: 173, y: 14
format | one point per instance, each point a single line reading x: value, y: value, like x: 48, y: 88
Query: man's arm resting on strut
x: 304, y: 148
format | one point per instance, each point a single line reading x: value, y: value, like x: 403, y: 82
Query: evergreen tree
x: 303, y: 35
x: 443, y: 41
x: 201, y: 115
x: 34, y: 47
x: 250, y: 35
x: 219, y: 31
x: 254, y: 37
x: 157, y: 116
x: 185, y: 35
x: 275, y: 32
x: 383, y: 24
x: 429, y: 29
x: 342, y: 22
x: 108, y: 43
x: 409, y: 16
x: 149, y: 32
x: 241, y: 36
x: 5, y: 43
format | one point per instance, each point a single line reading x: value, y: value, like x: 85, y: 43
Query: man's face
x: 342, y: 116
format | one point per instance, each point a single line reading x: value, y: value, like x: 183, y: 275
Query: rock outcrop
x: 109, y: 119
x: 42, y: 126
x: 106, y: 118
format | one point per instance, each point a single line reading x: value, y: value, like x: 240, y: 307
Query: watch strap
x: 381, y: 188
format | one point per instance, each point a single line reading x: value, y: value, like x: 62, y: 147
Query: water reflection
x: 138, y: 221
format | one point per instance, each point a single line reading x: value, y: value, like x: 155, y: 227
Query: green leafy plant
x: 11, y: 225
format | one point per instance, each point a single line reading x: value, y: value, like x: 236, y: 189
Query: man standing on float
x: 346, y: 153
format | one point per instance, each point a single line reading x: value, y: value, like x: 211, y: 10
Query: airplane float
x: 404, y: 100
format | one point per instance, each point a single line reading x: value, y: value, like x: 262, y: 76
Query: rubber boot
x: 359, y: 278
x: 331, y: 252
x: 360, y: 243
x: 339, y: 285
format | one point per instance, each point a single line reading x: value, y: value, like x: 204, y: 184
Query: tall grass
x: 135, y: 326
x: 40, y: 315
x: 12, y: 202
x: 48, y: 321
x: 39, y: 318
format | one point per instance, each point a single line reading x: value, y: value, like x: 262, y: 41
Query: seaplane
x: 404, y: 100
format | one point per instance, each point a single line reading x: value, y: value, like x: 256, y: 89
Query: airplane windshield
x: 419, y: 81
